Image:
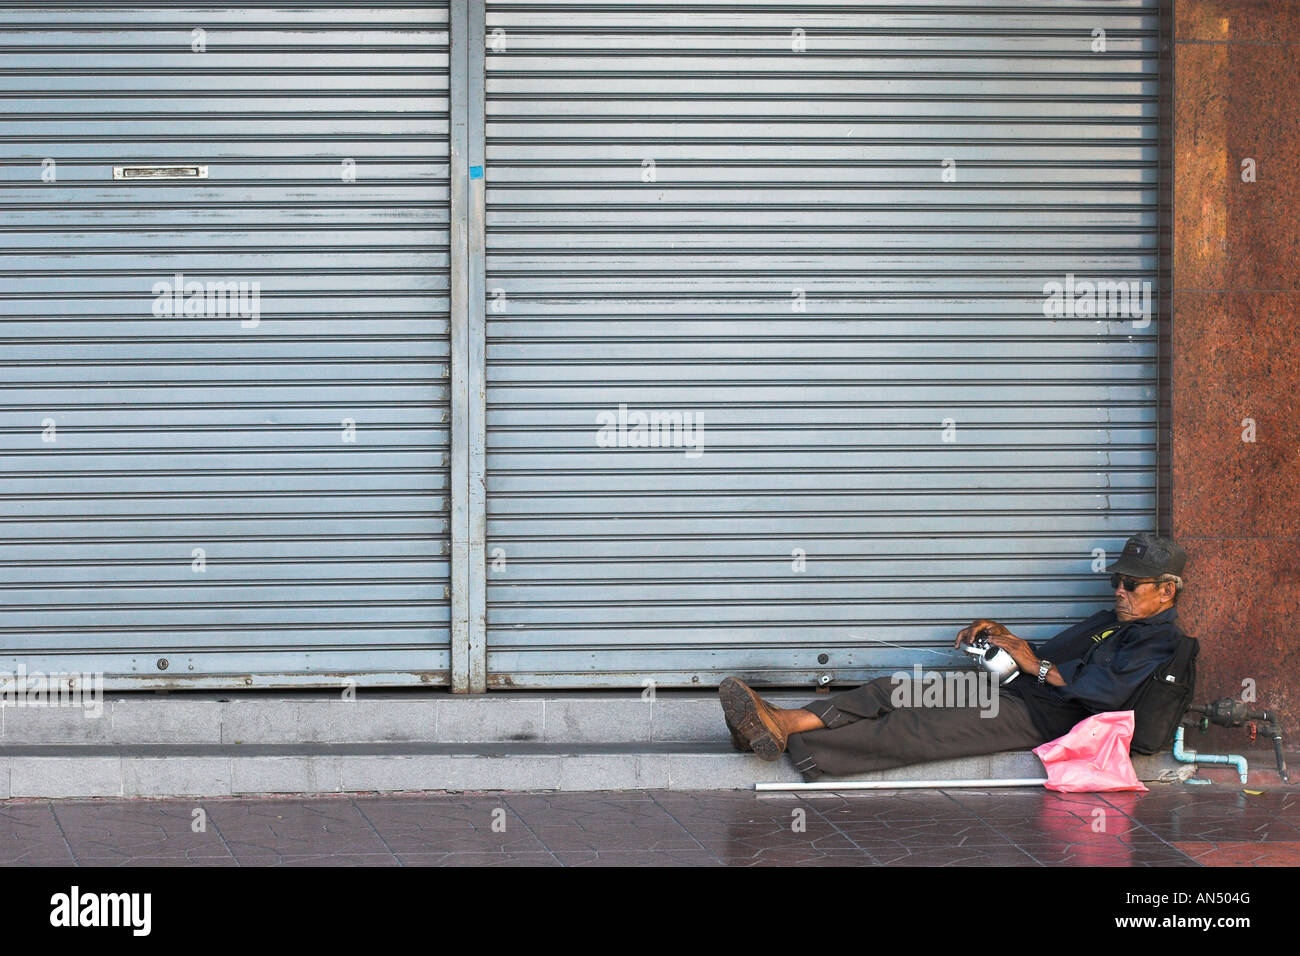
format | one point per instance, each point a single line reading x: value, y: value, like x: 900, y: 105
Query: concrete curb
x: 212, y: 718
x: 228, y: 744
x: 215, y: 770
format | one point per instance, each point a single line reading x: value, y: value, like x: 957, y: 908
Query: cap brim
x: 1134, y: 568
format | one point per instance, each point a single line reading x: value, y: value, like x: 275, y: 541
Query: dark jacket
x: 1100, y: 675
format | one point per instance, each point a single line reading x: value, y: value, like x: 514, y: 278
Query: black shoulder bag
x: 1160, y: 703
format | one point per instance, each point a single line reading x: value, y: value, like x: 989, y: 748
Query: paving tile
x: 603, y: 839
x: 436, y: 812
x: 882, y: 806
x: 1154, y: 856
x: 748, y: 839
x: 320, y: 859
x: 956, y: 856
x: 1020, y: 804
x: 44, y: 852
x: 1217, y: 830
x: 829, y: 858
x: 1181, y: 861
x: 1282, y: 803
x: 1079, y: 857
x: 449, y: 825
x: 294, y: 828
x: 796, y: 857
x: 482, y: 840
x: 101, y: 832
x: 1218, y: 816
x: 705, y: 808
x: 1219, y: 803
x: 1285, y: 853
x: 637, y: 858
x: 1097, y: 849
x: 29, y: 835
x: 1219, y: 813
x: 532, y: 821
x: 164, y: 861
x: 38, y: 854
x: 922, y: 834
x: 1135, y: 841
x: 1065, y: 825
x: 478, y: 859
x: 588, y: 810
x: 1211, y: 811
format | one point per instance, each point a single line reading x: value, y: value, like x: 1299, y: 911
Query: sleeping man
x: 1097, y: 665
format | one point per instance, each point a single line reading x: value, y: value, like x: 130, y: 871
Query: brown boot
x: 751, y: 719
x: 738, y: 742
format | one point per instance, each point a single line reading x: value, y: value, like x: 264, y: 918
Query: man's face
x: 1149, y: 598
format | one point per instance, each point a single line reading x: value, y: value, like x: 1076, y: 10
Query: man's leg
x: 749, y: 717
x: 886, y: 736
x: 869, y: 701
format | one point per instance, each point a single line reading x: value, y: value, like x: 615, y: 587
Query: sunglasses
x: 1130, y: 584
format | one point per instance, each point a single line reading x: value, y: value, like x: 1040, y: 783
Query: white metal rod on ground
x: 902, y: 784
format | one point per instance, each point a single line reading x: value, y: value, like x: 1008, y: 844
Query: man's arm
x: 1026, y: 657
x: 1098, y: 686
x: 1110, y: 686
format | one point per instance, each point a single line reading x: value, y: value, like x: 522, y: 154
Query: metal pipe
x: 459, y: 372
x: 904, y: 784
x: 467, y: 297
x: 1281, y: 760
x: 1191, y: 756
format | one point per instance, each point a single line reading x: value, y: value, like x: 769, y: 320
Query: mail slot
x: 160, y: 172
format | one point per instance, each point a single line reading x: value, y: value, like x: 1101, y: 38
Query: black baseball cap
x: 1149, y: 556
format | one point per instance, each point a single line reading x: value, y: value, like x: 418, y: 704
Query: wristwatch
x: 1043, y: 668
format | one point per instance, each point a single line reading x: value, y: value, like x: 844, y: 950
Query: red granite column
x: 1236, y: 346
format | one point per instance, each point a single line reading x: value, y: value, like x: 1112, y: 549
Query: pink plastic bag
x: 1093, y: 756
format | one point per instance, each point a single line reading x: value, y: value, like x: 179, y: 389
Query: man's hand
x: 967, y: 634
x: 999, y: 636
x: 1019, y: 650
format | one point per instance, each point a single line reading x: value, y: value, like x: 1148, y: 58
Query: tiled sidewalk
x: 1173, y: 825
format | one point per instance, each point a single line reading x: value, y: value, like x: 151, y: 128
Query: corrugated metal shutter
x: 326, y: 559
x: 922, y: 300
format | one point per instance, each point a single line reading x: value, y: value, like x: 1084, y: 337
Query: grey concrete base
x: 217, y: 770
x: 224, y: 744
x: 378, y: 717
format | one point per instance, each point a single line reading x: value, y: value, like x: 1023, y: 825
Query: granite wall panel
x: 1236, y: 346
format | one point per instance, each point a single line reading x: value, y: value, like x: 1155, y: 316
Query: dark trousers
x: 883, y: 724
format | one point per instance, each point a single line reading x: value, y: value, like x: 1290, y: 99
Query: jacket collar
x: 1167, y: 616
